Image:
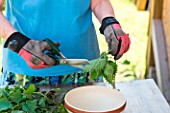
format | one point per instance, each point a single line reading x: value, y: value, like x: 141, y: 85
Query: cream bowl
x: 94, y: 99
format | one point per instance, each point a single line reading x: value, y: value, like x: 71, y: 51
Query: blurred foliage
x: 129, y: 71
x: 3, y: 9
x: 135, y: 23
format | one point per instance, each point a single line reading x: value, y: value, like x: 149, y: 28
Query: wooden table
x: 143, y: 96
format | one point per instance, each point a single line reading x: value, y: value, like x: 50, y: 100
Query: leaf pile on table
x: 104, y: 66
x: 30, y: 100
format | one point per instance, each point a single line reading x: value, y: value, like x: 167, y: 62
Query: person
x: 27, y: 23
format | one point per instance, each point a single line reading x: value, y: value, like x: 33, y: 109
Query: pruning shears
x: 56, y: 54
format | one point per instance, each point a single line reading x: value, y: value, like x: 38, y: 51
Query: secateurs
x: 56, y: 54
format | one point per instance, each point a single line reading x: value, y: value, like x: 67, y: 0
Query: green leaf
x: 29, y: 106
x: 67, y: 78
x: 93, y: 75
x: 86, y: 68
x: 98, y: 64
x: 16, y: 97
x: 17, y: 106
x: 0, y: 95
x: 27, y: 96
x: 114, y: 66
x: 7, y: 89
x: 126, y: 62
x: 5, y: 104
x: 49, y: 101
x: 108, y: 71
x: 95, y: 65
x: 38, y: 111
x: 18, y: 89
x: 61, y: 109
x: 17, y: 111
x: 3, y: 92
x: 30, y: 89
x: 41, y: 102
x: 104, y: 56
x: 128, y: 75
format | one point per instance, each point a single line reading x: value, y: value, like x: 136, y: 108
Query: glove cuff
x: 16, y: 41
x: 107, y: 21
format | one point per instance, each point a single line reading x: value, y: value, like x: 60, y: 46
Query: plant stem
x: 113, y: 84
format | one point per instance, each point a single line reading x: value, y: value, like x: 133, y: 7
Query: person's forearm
x: 102, y: 9
x: 6, y: 29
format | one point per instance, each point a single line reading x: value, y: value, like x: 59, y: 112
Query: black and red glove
x: 30, y: 50
x: 118, y: 41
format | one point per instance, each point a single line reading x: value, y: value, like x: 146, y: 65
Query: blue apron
x: 68, y: 22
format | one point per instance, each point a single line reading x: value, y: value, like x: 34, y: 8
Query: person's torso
x: 68, y: 22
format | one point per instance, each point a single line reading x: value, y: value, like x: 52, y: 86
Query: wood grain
x: 166, y: 25
x: 143, y: 97
x: 160, y: 56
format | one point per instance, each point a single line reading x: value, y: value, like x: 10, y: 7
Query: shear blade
x: 74, y: 61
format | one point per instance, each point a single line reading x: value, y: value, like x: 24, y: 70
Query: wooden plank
x: 143, y: 97
x: 160, y: 56
x: 141, y: 4
x: 156, y: 7
x: 150, y: 62
x: 166, y: 25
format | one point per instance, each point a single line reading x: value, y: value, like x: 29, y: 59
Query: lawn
x: 135, y: 23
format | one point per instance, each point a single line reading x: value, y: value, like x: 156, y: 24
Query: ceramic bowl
x: 94, y: 99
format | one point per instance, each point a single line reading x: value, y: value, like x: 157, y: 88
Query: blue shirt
x: 68, y: 22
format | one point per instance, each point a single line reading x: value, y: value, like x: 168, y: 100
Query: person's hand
x: 30, y: 50
x: 118, y: 41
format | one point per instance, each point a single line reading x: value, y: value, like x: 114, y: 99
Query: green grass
x: 136, y: 24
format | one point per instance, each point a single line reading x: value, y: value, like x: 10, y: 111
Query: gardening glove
x: 30, y: 50
x: 118, y: 41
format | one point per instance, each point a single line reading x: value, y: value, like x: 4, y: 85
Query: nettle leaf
x: 17, y: 106
x: 98, y: 64
x: 61, y: 109
x: 16, y: 97
x: 7, y: 89
x: 104, y: 55
x: 27, y: 96
x: 3, y: 92
x: 86, y: 68
x: 5, y: 104
x: 30, y: 89
x: 95, y: 65
x: 93, y: 75
x: 41, y: 102
x: 17, y: 111
x: 1, y: 96
x: 29, y: 106
x: 108, y: 71
x: 18, y: 89
x: 102, y: 66
x: 114, y: 66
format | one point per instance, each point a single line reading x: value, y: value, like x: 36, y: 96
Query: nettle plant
x: 104, y: 66
x: 30, y: 100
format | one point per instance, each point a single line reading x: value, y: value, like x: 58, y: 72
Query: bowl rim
x: 78, y: 110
